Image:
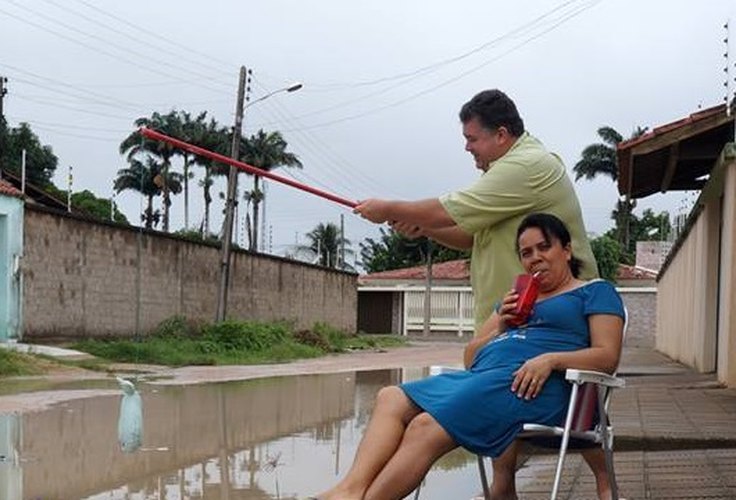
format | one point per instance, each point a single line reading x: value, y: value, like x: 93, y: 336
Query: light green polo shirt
x: 526, y: 179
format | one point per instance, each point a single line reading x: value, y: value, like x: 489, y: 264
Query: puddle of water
x: 25, y: 385
x: 278, y: 438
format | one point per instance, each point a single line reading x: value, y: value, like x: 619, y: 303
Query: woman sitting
x: 513, y: 374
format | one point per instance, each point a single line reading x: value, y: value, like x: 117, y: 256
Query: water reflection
x: 279, y: 438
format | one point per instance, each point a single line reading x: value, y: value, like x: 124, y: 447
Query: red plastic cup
x: 527, y: 286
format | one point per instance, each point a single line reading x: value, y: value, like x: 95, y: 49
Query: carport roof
x: 677, y: 156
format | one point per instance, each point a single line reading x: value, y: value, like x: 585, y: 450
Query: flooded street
x: 284, y: 437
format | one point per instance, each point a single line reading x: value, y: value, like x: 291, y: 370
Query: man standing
x: 519, y: 177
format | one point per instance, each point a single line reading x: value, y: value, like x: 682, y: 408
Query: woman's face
x: 549, y: 258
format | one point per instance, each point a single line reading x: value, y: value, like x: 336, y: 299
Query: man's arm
x: 451, y: 237
x: 429, y: 213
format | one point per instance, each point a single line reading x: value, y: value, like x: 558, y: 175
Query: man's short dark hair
x: 493, y: 109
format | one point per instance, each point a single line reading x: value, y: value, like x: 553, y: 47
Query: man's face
x: 485, y: 145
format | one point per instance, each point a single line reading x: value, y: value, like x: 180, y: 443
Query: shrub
x: 313, y: 339
x: 249, y: 336
x: 176, y: 326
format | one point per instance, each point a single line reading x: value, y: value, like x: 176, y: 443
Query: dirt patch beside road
x: 418, y: 354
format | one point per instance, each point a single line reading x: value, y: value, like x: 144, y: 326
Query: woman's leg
x: 596, y: 459
x: 504, y: 473
x: 423, y: 443
x: 503, y: 486
x: 392, y: 413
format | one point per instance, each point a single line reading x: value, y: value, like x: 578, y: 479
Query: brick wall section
x: 642, y: 309
x: 81, y: 279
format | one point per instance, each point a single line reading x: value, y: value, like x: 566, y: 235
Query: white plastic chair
x: 591, y: 391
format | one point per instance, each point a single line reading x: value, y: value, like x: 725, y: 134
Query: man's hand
x: 373, y: 209
x: 410, y: 231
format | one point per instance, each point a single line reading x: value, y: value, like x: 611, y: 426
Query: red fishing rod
x: 158, y: 136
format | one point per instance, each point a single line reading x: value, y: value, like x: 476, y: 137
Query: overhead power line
x: 96, y: 48
x: 180, y: 54
x: 157, y: 36
x: 450, y: 80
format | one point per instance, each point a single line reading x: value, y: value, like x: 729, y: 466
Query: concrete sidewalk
x: 675, y: 437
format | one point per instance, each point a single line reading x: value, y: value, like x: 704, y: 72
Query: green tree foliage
x: 394, y: 251
x: 267, y: 151
x: 601, y: 159
x: 41, y: 162
x: 135, y: 146
x: 214, y: 138
x: 650, y: 227
x: 191, y: 130
x: 607, y: 252
x: 326, y: 242
x: 140, y: 177
x: 87, y: 202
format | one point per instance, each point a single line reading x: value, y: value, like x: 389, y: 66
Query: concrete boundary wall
x: 82, y: 278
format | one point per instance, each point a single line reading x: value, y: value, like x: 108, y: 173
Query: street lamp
x: 291, y: 88
x: 232, y: 180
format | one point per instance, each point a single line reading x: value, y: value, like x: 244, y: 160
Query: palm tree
x: 327, y: 242
x: 214, y: 138
x: 135, y: 144
x: 601, y: 159
x: 139, y: 177
x: 191, y: 131
x: 267, y: 151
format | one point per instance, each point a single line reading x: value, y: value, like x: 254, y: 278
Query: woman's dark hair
x: 493, y: 109
x: 553, y: 229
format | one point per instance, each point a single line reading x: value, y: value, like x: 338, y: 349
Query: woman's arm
x: 488, y: 330
x: 606, y: 335
x: 494, y: 326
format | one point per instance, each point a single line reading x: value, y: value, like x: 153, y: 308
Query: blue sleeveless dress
x: 477, y: 408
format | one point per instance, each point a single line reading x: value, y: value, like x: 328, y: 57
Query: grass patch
x: 15, y: 363
x: 177, y: 342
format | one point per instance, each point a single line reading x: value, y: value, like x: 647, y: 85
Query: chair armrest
x: 440, y: 369
x: 582, y: 376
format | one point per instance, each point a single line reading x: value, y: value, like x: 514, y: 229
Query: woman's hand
x: 508, y: 305
x: 530, y: 378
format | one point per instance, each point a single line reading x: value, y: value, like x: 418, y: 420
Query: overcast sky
x: 383, y: 83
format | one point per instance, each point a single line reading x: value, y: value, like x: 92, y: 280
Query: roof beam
x: 665, y: 138
x: 672, y: 158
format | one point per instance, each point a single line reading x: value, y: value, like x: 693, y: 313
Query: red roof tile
x: 8, y: 189
x: 635, y: 273
x: 694, y: 117
x: 451, y: 270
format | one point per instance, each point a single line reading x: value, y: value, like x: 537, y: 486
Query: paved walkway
x: 675, y: 436
x: 675, y: 429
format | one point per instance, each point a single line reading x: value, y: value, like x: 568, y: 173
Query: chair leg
x: 607, y: 439
x: 483, y: 478
x: 565, y: 440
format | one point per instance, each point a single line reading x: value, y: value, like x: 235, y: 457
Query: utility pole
x: 232, y: 180
x: 69, y: 192
x: 428, y: 292
x: 3, y: 92
x: 342, y: 241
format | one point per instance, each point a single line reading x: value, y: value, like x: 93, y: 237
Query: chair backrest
x: 585, y: 415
